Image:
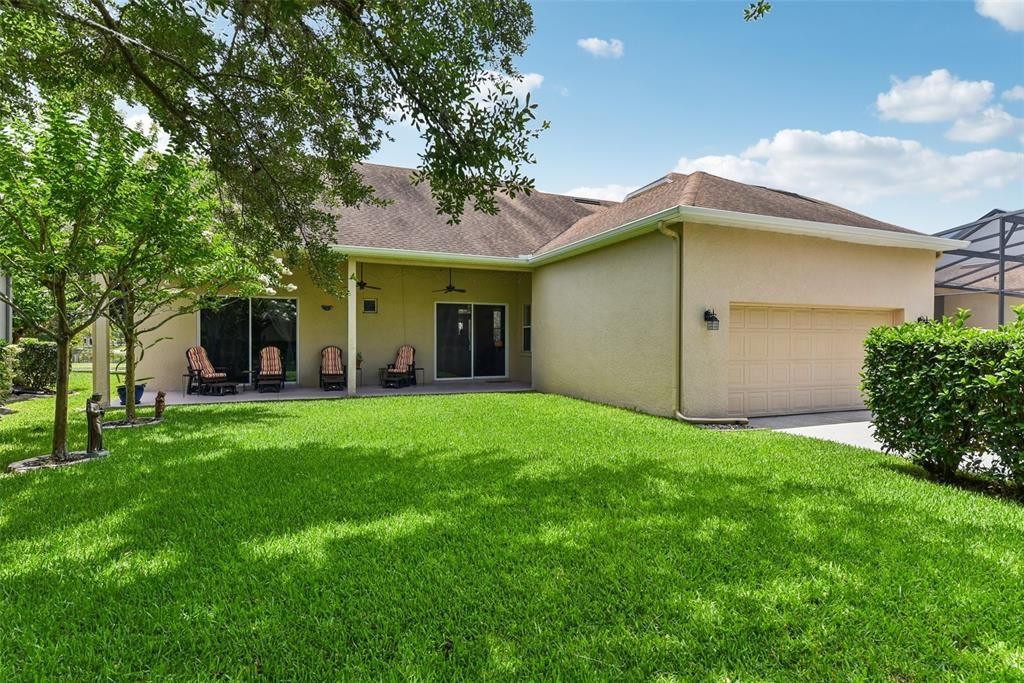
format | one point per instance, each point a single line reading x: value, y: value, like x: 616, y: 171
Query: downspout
x: 677, y: 339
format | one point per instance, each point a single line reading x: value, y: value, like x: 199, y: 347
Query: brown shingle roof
x: 711, y: 192
x: 410, y: 221
x: 542, y: 222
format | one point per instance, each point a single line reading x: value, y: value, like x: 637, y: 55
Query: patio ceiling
x: 994, y: 261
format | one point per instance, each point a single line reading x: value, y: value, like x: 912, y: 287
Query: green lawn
x: 494, y: 536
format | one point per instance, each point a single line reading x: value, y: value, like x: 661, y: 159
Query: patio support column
x: 101, y: 359
x: 1002, y: 271
x: 350, y: 301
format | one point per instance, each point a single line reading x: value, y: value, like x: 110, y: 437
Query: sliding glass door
x: 454, y: 350
x: 234, y: 333
x: 470, y: 340
x: 224, y: 333
x: 275, y: 323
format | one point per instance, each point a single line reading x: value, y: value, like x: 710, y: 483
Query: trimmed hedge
x: 946, y: 394
x: 7, y: 354
x: 37, y: 365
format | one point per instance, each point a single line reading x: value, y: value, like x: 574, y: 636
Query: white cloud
x: 613, y: 192
x: 1009, y: 13
x: 939, y: 96
x: 526, y: 83
x: 989, y: 125
x: 1014, y: 94
x: 599, y: 47
x: 849, y: 167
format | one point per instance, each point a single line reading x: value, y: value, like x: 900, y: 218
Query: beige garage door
x: 797, y: 360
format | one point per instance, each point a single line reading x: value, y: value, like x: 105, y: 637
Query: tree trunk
x: 60, y: 410
x: 129, y: 378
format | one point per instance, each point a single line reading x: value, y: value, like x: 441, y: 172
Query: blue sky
x: 906, y: 111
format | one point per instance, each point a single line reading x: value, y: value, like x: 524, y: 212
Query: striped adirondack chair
x: 332, y: 370
x: 202, y: 375
x: 402, y: 372
x: 271, y: 375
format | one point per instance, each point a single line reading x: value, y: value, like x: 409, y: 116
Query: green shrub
x: 7, y: 354
x: 37, y: 365
x: 1002, y: 413
x: 932, y: 389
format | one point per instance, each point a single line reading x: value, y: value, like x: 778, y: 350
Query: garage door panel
x: 756, y: 374
x: 779, y: 402
x: 800, y: 373
x: 756, y: 346
x: 800, y: 400
x: 793, y: 359
x: 780, y: 374
x: 757, y: 318
x: 757, y: 402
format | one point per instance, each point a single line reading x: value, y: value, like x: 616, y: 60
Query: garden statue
x: 159, y: 405
x: 94, y: 417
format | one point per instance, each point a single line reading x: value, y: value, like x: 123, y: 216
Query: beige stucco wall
x: 602, y: 325
x: 406, y: 315
x: 984, y: 308
x: 723, y: 266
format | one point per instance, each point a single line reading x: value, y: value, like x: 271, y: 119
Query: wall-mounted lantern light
x: 923, y: 319
x: 711, y: 319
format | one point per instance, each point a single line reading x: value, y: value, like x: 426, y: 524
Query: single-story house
x: 987, y: 274
x: 696, y: 295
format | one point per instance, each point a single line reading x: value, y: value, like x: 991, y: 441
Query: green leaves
x: 945, y: 393
x: 285, y: 99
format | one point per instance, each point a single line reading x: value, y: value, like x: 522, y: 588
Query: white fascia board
x: 444, y: 258
x: 830, y: 231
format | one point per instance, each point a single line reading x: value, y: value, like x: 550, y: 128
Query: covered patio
x: 467, y: 338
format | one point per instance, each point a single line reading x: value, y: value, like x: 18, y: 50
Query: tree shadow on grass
x: 320, y: 560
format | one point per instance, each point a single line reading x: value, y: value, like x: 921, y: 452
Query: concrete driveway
x: 852, y: 427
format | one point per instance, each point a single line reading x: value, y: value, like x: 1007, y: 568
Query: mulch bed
x: 139, y: 422
x: 46, y: 462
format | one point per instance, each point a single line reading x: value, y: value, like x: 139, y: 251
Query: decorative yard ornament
x: 94, y: 417
x: 159, y: 405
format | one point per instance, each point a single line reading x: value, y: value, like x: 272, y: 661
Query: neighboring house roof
x: 541, y: 226
x: 410, y: 220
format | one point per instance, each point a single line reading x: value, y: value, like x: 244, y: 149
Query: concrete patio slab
x: 293, y: 393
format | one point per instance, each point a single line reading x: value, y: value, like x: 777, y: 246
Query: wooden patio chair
x: 271, y: 375
x: 203, y: 377
x: 402, y: 372
x: 332, y: 370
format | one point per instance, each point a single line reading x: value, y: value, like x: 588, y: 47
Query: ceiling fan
x: 361, y: 283
x: 450, y: 288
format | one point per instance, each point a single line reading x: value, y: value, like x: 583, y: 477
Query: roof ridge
x: 689, y: 197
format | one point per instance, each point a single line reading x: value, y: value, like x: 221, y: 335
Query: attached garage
x: 792, y: 359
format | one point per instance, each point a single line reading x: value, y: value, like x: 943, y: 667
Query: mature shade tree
x: 182, y: 256
x: 285, y: 98
x: 83, y: 210
x: 61, y: 179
